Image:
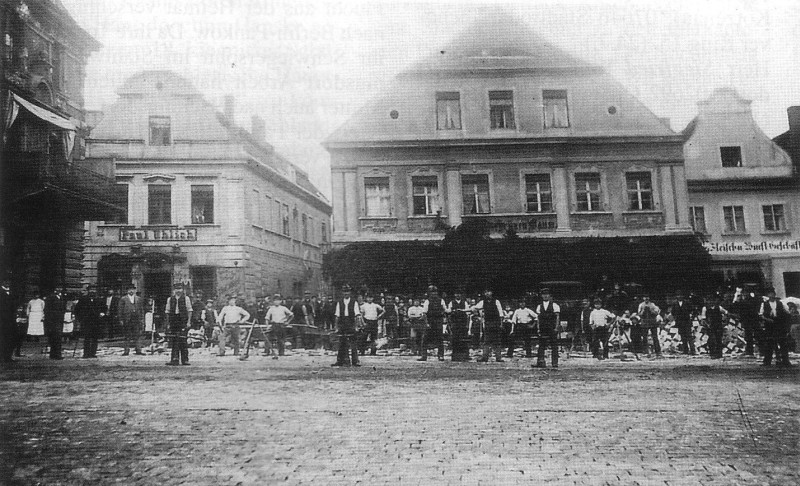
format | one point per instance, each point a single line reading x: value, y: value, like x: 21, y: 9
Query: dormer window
x: 160, y: 130
x: 731, y: 156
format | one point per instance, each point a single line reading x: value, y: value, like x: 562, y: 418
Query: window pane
x: 501, y: 109
x: 731, y: 156
x: 203, y: 204
x: 587, y: 191
x: 305, y: 227
x: 698, y: 219
x: 448, y: 111
x: 475, y: 193
x: 739, y: 218
x: 774, y: 218
x: 160, y: 130
x: 377, y: 196
x: 640, y: 191
x: 538, y: 193
x: 556, y: 114
x: 159, y: 204
x: 324, y: 231
x: 285, y: 219
x: 425, y: 195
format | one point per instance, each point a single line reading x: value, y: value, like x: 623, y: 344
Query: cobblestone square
x: 296, y: 420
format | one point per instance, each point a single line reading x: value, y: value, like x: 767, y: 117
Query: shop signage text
x: 751, y: 248
x: 166, y: 234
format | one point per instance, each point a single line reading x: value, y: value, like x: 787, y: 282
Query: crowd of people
x: 362, y: 323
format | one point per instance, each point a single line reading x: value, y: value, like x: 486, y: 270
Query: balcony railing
x: 85, y: 192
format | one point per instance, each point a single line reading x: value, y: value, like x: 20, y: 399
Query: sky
x: 306, y: 66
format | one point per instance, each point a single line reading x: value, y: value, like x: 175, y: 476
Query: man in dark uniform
x: 549, y: 317
x: 130, y: 311
x: 713, y: 316
x: 459, y: 312
x: 346, y: 313
x: 299, y: 322
x: 776, y: 330
x: 492, y: 326
x: 745, y: 307
x: 179, y: 320
x: 88, y: 313
x: 8, y: 325
x: 434, y: 308
x: 682, y: 313
x: 110, y: 312
x: 54, y: 308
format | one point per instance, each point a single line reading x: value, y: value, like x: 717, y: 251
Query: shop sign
x: 753, y: 248
x: 154, y: 234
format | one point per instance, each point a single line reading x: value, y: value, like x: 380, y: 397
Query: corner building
x: 744, y: 195
x: 504, y: 126
x: 210, y: 205
x: 47, y: 188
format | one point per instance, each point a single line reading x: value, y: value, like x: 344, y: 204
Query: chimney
x: 794, y: 124
x: 258, y: 128
x: 229, y: 105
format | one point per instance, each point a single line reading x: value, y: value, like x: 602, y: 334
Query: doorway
x: 791, y: 283
x: 158, y: 285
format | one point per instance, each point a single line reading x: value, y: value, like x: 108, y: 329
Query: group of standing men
x: 434, y: 315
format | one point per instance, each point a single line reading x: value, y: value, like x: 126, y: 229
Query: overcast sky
x: 307, y: 66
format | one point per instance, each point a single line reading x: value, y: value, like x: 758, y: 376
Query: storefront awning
x: 44, y: 114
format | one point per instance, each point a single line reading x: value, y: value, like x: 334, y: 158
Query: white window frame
x: 524, y: 192
x: 601, y: 199
x: 763, y: 219
x: 693, y: 218
x: 736, y: 231
x: 439, y: 195
x: 639, y: 191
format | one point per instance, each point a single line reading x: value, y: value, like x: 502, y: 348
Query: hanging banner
x: 753, y: 248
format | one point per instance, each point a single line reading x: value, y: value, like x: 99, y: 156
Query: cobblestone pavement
x: 132, y: 420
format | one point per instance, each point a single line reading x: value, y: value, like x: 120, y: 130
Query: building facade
x: 512, y: 130
x: 743, y: 195
x: 48, y: 189
x: 210, y: 204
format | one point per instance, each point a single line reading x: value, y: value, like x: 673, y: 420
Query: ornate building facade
x: 512, y: 130
x: 209, y: 204
x: 48, y: 189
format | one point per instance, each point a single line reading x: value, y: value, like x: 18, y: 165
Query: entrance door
x: 791, y: 283
x: 158, y: 285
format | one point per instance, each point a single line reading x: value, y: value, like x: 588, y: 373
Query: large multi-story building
x: 48, y: 190
x: 744, y: 195
x: 502, y: 125
x: 209, y: 204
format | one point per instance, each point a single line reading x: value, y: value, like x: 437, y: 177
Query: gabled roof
x: 192, y: 120
x: 499, y: 52
x: 498, y: 40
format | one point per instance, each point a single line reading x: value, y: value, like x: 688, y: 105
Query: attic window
x: 160, y: 133
x: 394, y: 114
x: 731, y: 156
x: 612, y: 110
